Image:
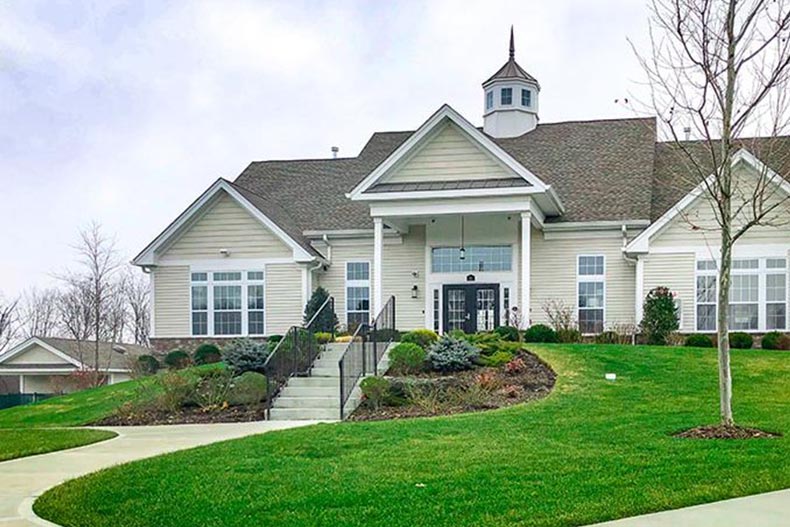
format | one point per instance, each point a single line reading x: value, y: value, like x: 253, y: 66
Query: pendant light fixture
x: 462, y: 252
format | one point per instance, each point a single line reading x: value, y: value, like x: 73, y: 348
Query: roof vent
x: 335, y: 150
x: 119, y: 349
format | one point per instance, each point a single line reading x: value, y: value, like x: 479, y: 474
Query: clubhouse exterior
x: 465, y: 226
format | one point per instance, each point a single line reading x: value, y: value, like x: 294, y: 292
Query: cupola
x: 510, y: 99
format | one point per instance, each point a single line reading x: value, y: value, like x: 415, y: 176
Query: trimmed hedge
x: 509, y: 333
x: 207, y: 354
x: 424, y: 338
x: 775, y: 341
x: 699, y: 341
x: 540, y: 333
x: 407, y: 357
x: 177, y: 359
x: 740, y: 340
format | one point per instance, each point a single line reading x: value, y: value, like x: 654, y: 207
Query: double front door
x: 471, y: 307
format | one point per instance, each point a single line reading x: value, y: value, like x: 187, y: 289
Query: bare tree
x: 75, y: 311
x: 8, y: 322
x: 38, y: 312
x: 719, y: 70
x: 138, y: 296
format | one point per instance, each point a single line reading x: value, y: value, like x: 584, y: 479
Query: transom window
x: 506, y: 96
x: 357, y: 293
x: 478, y: 258
x: 489, y: 100
x: 758, y: 294
x: 526, y: 97
x: 591, y: 293
x: 227, y: 303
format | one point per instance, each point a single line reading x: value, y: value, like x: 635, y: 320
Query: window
x: 227, y: 303
x: 591, y: 297
x: 476, y: 259
x: 506, y: 96
x: 436, y: 310
x: 758, y: 294
x: 357, y: 293
x: 489, y: 100
x: 526, y: 97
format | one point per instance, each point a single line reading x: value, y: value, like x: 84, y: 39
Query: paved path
x: 23, y: 480
x: 761, y: 510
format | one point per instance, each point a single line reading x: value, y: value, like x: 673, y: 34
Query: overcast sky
x: 123, y: 112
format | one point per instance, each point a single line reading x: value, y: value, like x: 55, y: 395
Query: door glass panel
x: 456, y: 309
x: 485, y: 309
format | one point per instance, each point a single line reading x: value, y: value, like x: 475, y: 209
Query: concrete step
x: 302, y: 414
x: 310, y: 391
x: 315, y: 381
x: 308, y: 402
x: 326, y: 371
x: 326, y: 363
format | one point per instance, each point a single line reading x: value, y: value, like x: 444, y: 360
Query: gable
x: 225, y: 224
x: 449, y: 156
x: 36, y: 354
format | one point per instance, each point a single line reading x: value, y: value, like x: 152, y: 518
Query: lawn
x: 593, y: 450
x: 29, y: 442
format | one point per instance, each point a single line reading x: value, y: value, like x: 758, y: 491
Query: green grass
x: 29, y: 442
x: 592, y: 451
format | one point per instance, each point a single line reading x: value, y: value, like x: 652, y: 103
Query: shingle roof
x: 108, y: 356
x: 450, y: 185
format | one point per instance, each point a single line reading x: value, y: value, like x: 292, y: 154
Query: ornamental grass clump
x: 452, y: 354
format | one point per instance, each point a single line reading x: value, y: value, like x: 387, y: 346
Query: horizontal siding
x: 37, y: 355
x: 171, y: 301
x: 449, y: 156
x: 226, y: 225
x: 283, y: 297
x: 334, y: 278
x: 399, y: 263
x: 554, y: 264
x: 675, y: 271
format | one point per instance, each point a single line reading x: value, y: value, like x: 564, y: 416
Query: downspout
x: 319, y: 265
x: 637, y: 278
x: 627, y: 258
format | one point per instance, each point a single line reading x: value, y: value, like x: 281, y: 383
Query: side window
x: 591, y: 293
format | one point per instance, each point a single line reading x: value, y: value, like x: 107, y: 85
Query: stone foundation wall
x: 189, y: 344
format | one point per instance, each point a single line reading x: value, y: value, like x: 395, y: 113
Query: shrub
x: 424, y: 338
x: 244, y: 355
x: 272, y: 341
x: 776, y: 341
x: 451, y: 354
x: 326, y: 321
x: 660, y: 316
x: 569, y: 336
x: 213, y: 388
x: 407, y: 357
x: 388, y: 335
x: 516, y: 366
x: 488, y: 381
x: 343, y: 339
x: 739, y: 340
x: 323, y: 337
x: 699, y: 341
x: 247, y: 388
x: 508, y: 333
x: 490, y: 343
x: 376, y: 390
x: 178, y: 389
x: 500, y: 358
x: 147, y: 364
x: 177, y: 359
x: 207, y: 354
x: 540, y: 333
x: 608, y: 337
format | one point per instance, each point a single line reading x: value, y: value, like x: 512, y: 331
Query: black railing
x: 293, y: 356
x: 19, y: 399
x: 365, y: 350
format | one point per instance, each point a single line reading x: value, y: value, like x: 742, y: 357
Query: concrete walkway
x: 761, y: 510
x: 23, y: 480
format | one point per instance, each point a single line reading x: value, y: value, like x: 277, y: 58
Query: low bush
x: 452, y: 354
x: 407, y: 357
x: 500, y: 358
x: 699, y: 341
x: 147, y: 364
x: 424, y: 338
x: 516, y: 366
x: 376, y: 391
x: 488, y: 381
x: 323, y: 337
x: 213, y: 389
x: 207, y: 354
x: 177, y: 359
x: 740, y: 340
x: 490, y: 343
x: 243, y: 355
x: 177, y: 390
x: 569, y: 336
x: 272, y: 341
x: 608, y: 337
x: 775, y: 341
x: 509, y: 333
x: 247, y: 388
x: 540, y: 333
x: 343, y: 339
x: 387, y: 335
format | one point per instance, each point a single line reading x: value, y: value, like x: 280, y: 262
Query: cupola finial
x: 512, y: 45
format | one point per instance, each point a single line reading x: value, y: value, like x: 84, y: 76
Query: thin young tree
x: 75, y: 311
x: 136, y: 289
x: 38, y: 312
x: 718, y: 70
x: 8, y: 322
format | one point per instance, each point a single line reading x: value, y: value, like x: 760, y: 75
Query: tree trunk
x: 725, y: 376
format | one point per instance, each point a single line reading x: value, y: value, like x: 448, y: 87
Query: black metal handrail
x: 293, y: 356
x: 365, y: 350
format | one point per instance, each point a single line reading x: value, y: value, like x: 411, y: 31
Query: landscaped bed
x: 593, y: 450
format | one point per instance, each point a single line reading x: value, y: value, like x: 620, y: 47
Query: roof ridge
x: 750, y: 138
x: 306, y: 159
x: 602, y: 120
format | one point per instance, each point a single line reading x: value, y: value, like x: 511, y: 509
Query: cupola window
x: 506, y: 97
x: 489, y: 100
x: 526, y: 97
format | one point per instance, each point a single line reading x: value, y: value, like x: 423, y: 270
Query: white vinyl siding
x: 284, y: 306
x: 449, y: 156
x: 171, y: 301
x: 36, y: 354
x: 226, y: 225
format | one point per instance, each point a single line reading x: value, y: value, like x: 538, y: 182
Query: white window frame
x: 528, y: 93
x: 357, y: 283
x: 209, y: 283
x: 489, y: 100
x: 502, y: 96
x: 590, y: 278
x: 762, y: 271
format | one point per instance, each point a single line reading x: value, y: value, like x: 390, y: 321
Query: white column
x: 639, y: 290
x: 526, y: 267
x: 378, y: 257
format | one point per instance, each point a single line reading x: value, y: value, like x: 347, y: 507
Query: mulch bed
x: 725, y: 432
x: 191, y: 415
x: 535, y: 381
